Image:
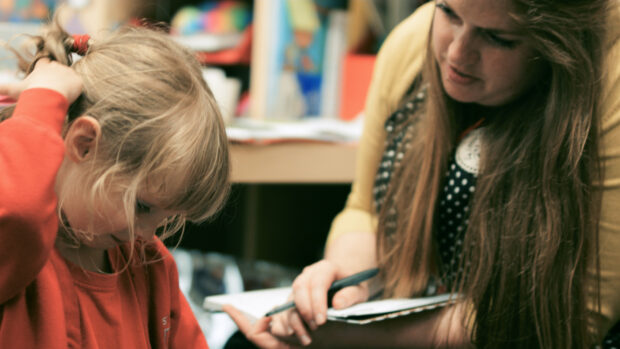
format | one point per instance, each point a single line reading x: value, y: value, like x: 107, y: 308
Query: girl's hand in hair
x: 310, y: 296
x: 50, y: 75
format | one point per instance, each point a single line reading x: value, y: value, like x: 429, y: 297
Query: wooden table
x: 286, y: 163
x: 293, y: 162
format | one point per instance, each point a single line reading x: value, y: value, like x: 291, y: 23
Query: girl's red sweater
x: 46, y: 301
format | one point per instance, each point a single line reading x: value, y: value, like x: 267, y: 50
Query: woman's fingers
x: 258, y: 332
x: 299, y: 328
x: 318, y: 299
x: 280, y: 326
x: 237, y: 316
x: 349, y: 296
x: 303, y: 302
x: 310, y: 292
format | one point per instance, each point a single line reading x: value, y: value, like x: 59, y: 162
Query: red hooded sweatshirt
x: 48, y: 302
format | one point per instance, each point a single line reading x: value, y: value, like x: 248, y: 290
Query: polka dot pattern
x: 455, y: 196
x: 397, y: 127
x: 612, y: 339
x: 454, y: 200
x: 453, y: 214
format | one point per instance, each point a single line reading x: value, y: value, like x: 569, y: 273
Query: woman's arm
x: 609, y: 224
x: 351, y: 242
x: 398, y: 63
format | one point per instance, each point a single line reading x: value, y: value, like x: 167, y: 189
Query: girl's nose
x: 146, y: 233
x: 146, y: 228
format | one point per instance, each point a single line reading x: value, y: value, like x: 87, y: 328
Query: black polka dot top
x: 454, y: 200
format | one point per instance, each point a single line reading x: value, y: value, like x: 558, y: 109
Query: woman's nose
x: 462, y: 51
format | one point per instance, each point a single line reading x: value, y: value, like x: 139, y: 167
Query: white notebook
x: 254, y: 304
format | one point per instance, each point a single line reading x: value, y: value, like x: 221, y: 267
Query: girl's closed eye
x: 142, y: 207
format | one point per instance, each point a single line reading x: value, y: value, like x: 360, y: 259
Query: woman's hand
x: 310, y: 296
x: 47, y: 74
x: 258, y: 333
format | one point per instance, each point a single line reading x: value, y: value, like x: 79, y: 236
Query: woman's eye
x: 497, y: 41
x: 142, y: 207
x: 448, y: 11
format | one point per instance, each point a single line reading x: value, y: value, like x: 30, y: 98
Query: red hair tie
x: 80, y: 44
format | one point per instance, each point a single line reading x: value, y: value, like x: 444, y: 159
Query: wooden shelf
x: 293, y: 162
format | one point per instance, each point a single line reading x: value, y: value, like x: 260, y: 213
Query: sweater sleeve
x: 609, y: 224
x: 398, y: 62
x: 31, y: 151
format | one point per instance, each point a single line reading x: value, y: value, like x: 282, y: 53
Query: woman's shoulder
x: 401, y: 56
x: 413, y: 30
x: 408, y: 39
x: 610, y: 107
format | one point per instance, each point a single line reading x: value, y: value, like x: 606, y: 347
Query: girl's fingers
x: 11, y: 90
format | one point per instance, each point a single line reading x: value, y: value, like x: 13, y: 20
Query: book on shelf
x: 255, y: 304
x: 357, y: 74
x: 335, y: 51
x: 293, y: 42
x: 208, y: 42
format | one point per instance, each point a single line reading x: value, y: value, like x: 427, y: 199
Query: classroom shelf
x: 293, y: 162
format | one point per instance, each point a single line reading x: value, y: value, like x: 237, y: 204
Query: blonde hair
x: 533, y: 224
x: 158, y: 119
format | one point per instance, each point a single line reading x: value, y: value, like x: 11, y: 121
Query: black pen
x: 335, y: 287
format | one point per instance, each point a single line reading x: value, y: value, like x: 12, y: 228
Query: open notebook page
x: 256, y: 303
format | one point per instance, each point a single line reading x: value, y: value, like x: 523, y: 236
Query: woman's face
x: 481, y: 55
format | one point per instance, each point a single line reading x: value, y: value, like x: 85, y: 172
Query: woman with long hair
x: 488, y: 168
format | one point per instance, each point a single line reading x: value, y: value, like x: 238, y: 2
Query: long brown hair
x: 532, y: 237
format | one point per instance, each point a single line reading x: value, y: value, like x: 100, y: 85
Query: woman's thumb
x: 349, y: 296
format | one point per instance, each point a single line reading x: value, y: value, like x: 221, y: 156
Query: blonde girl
x: 98, y: 156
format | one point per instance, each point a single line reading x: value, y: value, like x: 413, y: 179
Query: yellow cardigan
x: 399, y: 61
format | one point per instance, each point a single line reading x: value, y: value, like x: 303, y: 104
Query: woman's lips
x: 458, y: 77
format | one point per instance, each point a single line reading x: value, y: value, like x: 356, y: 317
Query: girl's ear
x: 82, y: 138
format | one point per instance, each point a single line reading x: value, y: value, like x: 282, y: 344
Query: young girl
x: 489, y: 167
x: 99, y: 155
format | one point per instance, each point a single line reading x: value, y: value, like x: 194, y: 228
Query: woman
x: 487, y: 168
